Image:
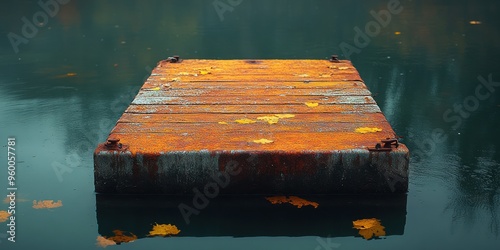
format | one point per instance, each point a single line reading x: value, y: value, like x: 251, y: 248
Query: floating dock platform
x: 252, y: 127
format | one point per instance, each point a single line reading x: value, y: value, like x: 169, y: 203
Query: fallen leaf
x: 155, y: 89
x: 182, y: 74
x: 103, y: 242
x: 263, y: 141
x: 397, y: 33
x: 46, y: 204
x: 343, y: 68
x: 311, y: 104
x: 294, y: 200
x: 121, y: 237
x: 303, y: 75
x: 364, y: 130
x: 164, y: 230
x: 223, y: 123
x: 369, y: 228
x: 176, y: 79
x: 282, y: 116
x: 325, y: 75
x: 245, y: 121
x: 474, y: 22
x: 332, y: 67
x: 4, y: 216
x: 269, y: 119
x: 163, y: 79
x: 204, y: 72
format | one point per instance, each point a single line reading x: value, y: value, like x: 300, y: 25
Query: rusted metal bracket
x: 334, y: 59
x: 174, y: 59
x: 388, y: 145
x: 113, y: 144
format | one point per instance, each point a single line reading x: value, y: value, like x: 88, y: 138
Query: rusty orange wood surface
x: 232, y: 105
x: 200, y: 102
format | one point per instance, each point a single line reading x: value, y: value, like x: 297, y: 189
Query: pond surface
x: 432, y: 66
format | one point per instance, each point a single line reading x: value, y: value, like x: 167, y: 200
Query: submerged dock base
x: 252, y: 127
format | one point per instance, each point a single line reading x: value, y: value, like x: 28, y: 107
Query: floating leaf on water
x: 475, y: 22
x: 397, y: 33
x: 364, y: 130
x: 311, y: 104
x: 70, y: 74
x: 223, y: 123
x: 269, y: 119
x: 369, y: 228
x: 245, y: 121
x: 263, y: 141
x: 4, y: 216
x: 294, y: 200
x: 122, y: 237
x: 282, y: 116
x: 103, y: 242
x: 45, y: 204
x: 164, y: 230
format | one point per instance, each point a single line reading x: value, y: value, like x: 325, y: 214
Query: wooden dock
x: 252, y: 127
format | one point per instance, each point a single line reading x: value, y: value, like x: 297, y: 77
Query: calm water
x: 76, y: 71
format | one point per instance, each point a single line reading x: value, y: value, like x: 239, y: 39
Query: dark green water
x: 68, y: 79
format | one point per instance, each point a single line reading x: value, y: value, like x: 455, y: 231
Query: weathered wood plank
x: 298, y: 118
x: 249, y: 109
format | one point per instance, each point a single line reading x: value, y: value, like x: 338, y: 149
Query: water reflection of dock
x: 250, y: 216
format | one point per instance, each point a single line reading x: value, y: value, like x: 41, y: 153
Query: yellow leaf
x: 245, y: 121
x: 176, y: 79
x: 183, y: 74
x: 46, y: 204
x: 294, y: 200
x: 155, y: 89
x: 223, y: 123
x: 303, y: 75
x: 269, y: 119
x: 311, y: 104
x: 71, y: 74
x: 281, y: 116
x: 332, y: 67
x: 325, y: 75
x: 103, y: 242
x: 4, y: 216
x: 397, y: 33
x: 343, y: 68
x: 204, y: 72
x: 364, y: 130
x: 164, y: 230
x: 369, y: 228
x: 474, y: 22
x: 263, y: 141
x: 121, y: 237
x: 163, y: 79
